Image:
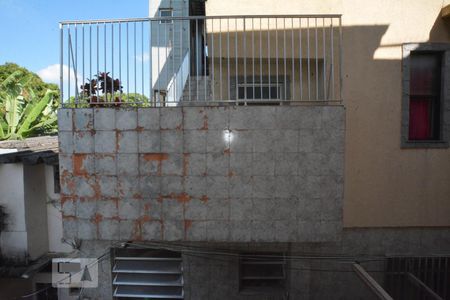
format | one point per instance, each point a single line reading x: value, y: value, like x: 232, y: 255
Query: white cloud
x: 51, y: 74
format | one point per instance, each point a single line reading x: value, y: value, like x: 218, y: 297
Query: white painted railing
x: 219, y: 59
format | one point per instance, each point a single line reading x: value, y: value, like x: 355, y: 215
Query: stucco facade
x: 385, y: 185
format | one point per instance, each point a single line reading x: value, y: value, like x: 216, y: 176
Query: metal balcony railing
x: 201, y: 60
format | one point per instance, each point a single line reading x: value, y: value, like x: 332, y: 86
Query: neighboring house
x: 278, y: 157
x: 29, y: 185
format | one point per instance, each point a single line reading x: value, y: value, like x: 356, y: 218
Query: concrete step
x: 196, y: 90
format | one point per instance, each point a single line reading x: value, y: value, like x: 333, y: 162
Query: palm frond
x: 35, y: 112
x: 13, y: 109
x: 47, y: 125
x: 11, y: 80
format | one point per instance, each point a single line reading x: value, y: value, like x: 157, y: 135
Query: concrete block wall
x: 216, y: 276
x: 203, y: 173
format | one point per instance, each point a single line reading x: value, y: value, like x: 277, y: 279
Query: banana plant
x: 22, y: 113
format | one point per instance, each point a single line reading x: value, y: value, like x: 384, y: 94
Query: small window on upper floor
x: 165, y: 13
x: 425, y: 96
x: 426, y: 103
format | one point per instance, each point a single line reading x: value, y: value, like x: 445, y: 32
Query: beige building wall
x: 385, y: 186
x: 277, y: 47
x: 225, y: 88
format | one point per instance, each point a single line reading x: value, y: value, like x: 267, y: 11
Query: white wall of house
x: 153, y: 6
x: 54, y: 215
x: 167, y: 51
x: 13, y: 241
x: 34, y: 220
x: 35, y: 197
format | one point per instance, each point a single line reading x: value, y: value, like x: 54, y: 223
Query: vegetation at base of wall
x: 26, y: 109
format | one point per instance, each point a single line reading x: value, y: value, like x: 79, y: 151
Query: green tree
x: 23, y: 112
x: 39, y: 86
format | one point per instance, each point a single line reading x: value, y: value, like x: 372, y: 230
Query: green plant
x: 107, y: 86
x: 22, y: 112
x: 39, y: 86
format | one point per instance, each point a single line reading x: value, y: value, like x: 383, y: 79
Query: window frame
x: 171, y: 15
x: 279, y: 85
x: 444, y: 99
x: 240, y: 81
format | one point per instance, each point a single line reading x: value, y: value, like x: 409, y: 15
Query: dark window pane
x: 241, y: 92
x: 257, y: 91
x: 250, y: 92
x: 425, y: 89
x: 258, y: 94
x: 265, y: 94
x: 425, y: 73
x: 274, y: 92
x: 56, y: 183
x: 165, y: 13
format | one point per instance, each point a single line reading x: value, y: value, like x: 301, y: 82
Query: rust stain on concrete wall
x: 187, y: 226
x: 185, y: 163
x: 97, y: 218
x: 205, y: 123
x: 78, y: 165
x: 156, y: 156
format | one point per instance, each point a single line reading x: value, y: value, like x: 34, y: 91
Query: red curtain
x: 419, y: 119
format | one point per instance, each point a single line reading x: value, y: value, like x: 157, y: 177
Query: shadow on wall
x: 440, y: 32
x: 372, y: 93
x: 3, y: 216
x: 317, y: 57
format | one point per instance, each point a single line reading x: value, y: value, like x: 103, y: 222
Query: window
x: 424, y: 96
x: 165, y: 13
x: 258, y: 91
x: 56, y: 183
x: 263, y: 90
x: 262, y: 272
x: 147, y: 273
x: 426, y: 103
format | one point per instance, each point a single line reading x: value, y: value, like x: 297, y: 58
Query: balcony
x: 198, y: 60
x: 202, y: 129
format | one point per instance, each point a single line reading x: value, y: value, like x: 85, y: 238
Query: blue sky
x: 29, y: 31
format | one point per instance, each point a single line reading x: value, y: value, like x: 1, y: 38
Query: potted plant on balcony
x: 102, y: 91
